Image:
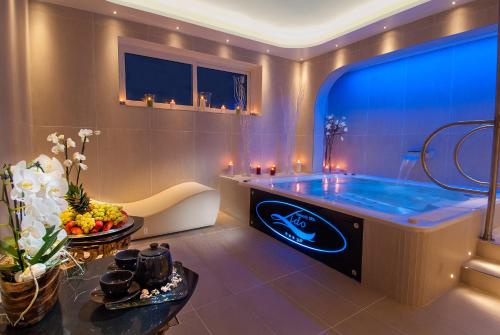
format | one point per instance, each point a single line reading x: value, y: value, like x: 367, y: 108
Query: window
x: 165, y: 79
x: 182, y: 75
x: 221, y: 86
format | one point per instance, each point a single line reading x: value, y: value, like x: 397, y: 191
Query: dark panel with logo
x: 331, y: 237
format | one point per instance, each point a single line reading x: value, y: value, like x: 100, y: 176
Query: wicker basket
x: 16, y: 297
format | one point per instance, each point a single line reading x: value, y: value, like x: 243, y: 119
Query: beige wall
x: 460, y: 19
x: 74, y: 72
x: 15, y: 111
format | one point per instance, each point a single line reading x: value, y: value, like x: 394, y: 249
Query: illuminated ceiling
x: 294, y: 29
x: 280, y: 23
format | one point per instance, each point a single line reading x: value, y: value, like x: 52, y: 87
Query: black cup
x: 127, y: 259
x: 116, y: 283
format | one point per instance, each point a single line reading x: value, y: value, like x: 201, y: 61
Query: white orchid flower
x: 68, y: 163
x: 57, y: 149
x: 85, y: 133
x: 30, y: 225
x: 56, y: 188
x: 50, y: 165
x: 70, y: 143
x: 79, y: 157
x: 84, y: 167
x: 53, y: 138
x: 30, y: 244
x: 27, y: 275
x: 26, y: 182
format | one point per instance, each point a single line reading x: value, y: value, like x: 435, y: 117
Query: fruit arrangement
x: 98, y: 217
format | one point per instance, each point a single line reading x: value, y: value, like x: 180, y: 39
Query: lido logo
x: 301, y: 226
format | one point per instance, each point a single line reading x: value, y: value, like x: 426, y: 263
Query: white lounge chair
x: 182, y: 207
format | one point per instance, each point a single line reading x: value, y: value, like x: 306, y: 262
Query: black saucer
x: 98, y: 296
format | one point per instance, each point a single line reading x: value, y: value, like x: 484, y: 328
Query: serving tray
x: 128, y: 224
x: 177, y: 293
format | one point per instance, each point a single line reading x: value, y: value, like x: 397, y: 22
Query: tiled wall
x: 74, y: 71
x: 392, y: 107
x: 459, y: 19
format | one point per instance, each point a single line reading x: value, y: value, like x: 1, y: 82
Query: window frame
x: 195, y: 59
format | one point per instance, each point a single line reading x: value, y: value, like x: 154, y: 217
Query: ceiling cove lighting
x: 275, y: 22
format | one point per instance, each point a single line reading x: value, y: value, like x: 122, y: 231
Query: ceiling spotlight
x: 385, y: 27
x: 268, y: 51
x: 227, y: 40
x: 115, y: 12
x: 336, y: 45
x: 453, y: 3
x: 177, y: 28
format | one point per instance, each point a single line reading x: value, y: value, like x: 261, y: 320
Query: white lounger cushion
x: 182, y: 207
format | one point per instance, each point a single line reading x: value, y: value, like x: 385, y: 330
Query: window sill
x: 184, y: 108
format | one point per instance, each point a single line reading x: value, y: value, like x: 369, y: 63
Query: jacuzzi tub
x: 414, y: 236
x: 415, y: 205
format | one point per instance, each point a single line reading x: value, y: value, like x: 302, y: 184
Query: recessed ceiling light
x: 115, y: 12
x: 268, y: 51
x: 227, y: 40
x: 177, y: 28
x: 336, y: 45
x: 385, y: 27
x: 454, y: 3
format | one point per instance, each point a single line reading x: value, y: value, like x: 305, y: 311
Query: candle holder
x: 299, y: 166
x: 149, y: 99
x: 223, y: 108
x: 204, y: 100
x: 272, y: 171
x: 230, y: 168
x: 172, y: 104
x: 258, y: 170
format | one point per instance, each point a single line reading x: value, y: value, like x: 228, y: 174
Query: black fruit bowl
x: 127, y: 259
x: 116, y: 283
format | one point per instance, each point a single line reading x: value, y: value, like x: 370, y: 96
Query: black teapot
x: 154, y: 266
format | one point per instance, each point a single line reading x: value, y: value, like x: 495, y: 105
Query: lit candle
x: 203, y: 103
x: 258, y: 170
x: 230, y: 168
x: 149, y: 100
x: 172, y: 104
x: 238, y: 110
x: 223, y: 108
x: 122, y: 101
x: 299, y: 166
x: 272, y: 171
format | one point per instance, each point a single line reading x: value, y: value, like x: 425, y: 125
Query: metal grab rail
x: 428, y: 140
x: 458, y: 147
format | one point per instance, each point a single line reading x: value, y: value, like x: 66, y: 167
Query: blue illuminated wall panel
x: 392, y: 107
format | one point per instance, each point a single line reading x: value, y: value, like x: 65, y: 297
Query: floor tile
x: 364, y: 323
x: 230, y: 317
x: 189, y: 324
x: 413, y: 321
x: 330, y: 307
x: 280, y: 313
x: 342, y: 285
x: 209, y: 288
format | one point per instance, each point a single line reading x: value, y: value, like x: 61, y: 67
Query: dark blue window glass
x: 165, y: 79
x: 220, y: 84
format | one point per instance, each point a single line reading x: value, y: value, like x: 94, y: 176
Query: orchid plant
x: 33, y: 194
x: 334, y: 128
x: 76, y: 196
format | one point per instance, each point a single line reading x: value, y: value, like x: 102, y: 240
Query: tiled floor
x: 252, y: 284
